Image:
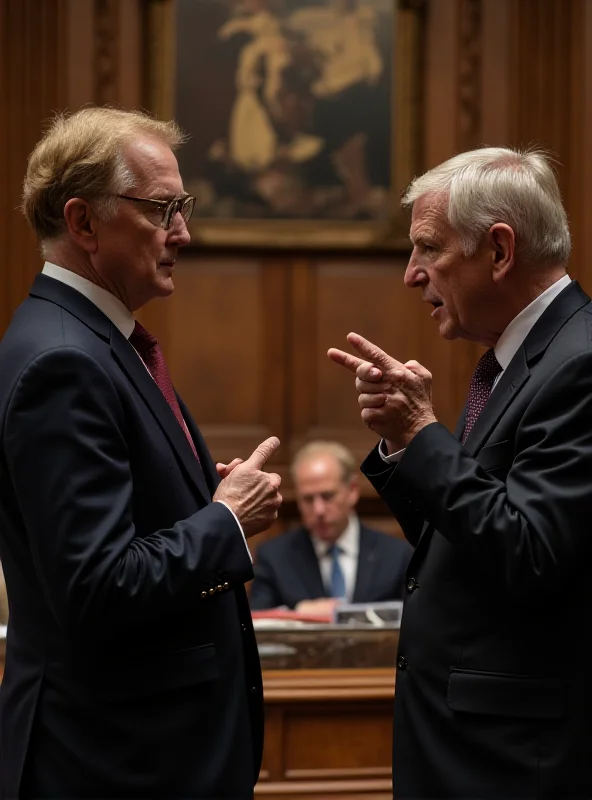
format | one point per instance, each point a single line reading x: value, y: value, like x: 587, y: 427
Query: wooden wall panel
x: 33, y: 80
x: 331, y: 298
x: 225, y: 334
x: 495, y: 72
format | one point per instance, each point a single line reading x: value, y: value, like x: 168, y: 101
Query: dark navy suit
x: 131, y: 664
x: 494, y: 697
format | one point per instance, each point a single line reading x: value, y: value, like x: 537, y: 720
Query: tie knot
x: 488, y: 368
x: 486, y: 371
x: 141, y: 339
x: 333, y: 550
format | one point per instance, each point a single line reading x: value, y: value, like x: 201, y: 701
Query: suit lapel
x: 87, y: 312
x: 306, y: 565
x: 366, y: 566
x: 563, y: 307
x: 139, y: 376
x: 508, y: 386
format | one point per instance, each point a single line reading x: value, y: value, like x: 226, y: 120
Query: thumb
x: 260, y: 454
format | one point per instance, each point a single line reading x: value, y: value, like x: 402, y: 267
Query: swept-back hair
x: 498, y: 184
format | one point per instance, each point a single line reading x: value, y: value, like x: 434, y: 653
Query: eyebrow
x: 166, y: 196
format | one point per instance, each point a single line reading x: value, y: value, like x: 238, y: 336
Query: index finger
x: 262, y: 453
x: 345, y: 359
x: 372, y: 353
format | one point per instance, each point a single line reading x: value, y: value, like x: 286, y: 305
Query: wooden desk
x: 328, y: 734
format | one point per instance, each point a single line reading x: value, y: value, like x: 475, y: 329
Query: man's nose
x: 178, y: 231
x: 318, y: 506
x: 414, y: 276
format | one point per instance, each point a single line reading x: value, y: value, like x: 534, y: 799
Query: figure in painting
x: 310, y: 95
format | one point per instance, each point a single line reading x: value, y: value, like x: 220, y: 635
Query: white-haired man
x: 493, y: 694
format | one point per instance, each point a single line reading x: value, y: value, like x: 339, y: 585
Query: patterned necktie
x: 152, y: 355
x: 337, y: 579
x: 486, y: 372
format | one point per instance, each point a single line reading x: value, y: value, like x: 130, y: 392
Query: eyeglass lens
x: 183, y: 204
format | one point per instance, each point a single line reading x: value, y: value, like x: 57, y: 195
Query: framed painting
x: 302, y: 115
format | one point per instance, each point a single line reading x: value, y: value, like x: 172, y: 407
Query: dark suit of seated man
x: 332, y: 556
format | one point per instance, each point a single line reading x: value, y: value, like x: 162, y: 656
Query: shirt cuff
x: 240, y: 527
x: 394, y: 458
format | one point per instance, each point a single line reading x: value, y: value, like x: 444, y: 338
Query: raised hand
x: 395, y: 398
x: 252, y: 494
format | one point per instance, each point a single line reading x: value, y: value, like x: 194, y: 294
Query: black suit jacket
x: 131, y: 664
x: 493, y: 696
x: 287, y: 570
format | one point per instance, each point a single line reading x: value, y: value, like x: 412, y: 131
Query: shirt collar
x: 349, y: 541
x: 111, y: 306
x: 519, y: 328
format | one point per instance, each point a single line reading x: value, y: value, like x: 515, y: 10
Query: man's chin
x: 166, y: 286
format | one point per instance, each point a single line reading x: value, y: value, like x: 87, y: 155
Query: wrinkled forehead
x: 154, y: 166
x: 430, y: 216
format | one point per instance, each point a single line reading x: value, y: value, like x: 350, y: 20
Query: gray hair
x: 498, y: 184
x: 339, y: 452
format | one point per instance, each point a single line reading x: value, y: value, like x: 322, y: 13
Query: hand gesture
x: 395, y: 398
x: 252, y: 494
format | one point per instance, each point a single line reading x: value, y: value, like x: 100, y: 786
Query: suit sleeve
x: 530, y: 532
x: 66, y: 451
x: 404, y: 555
x: 264, y: 591
x: 383, y: 477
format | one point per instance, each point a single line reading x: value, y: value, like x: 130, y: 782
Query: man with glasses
x: 131, y: 664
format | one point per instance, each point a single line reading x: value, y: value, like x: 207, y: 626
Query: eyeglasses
x: 168, y: 208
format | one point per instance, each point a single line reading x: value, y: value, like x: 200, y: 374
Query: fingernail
x: 374, y: 373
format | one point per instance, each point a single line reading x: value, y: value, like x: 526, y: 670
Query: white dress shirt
x: 117, y: 312
x: 349, y: 545
x: 508, y: 343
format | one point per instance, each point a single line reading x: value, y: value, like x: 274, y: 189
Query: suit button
x: 412, y: 585
x: 402, y: 663
x: 226, y: 585
x: 212, y: 591
x: 204, y: 594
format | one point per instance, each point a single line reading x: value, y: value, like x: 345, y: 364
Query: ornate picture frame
x: 303, y: 117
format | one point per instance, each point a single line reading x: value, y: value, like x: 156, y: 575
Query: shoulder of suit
x: 385, y: 539
x: 283, y: 541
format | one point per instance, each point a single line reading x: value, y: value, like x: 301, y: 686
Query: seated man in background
x: 333, y: 556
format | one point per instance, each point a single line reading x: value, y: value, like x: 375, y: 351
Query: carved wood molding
x: 106, y: 54
x: 469, y: 74
x: 328, y: 685
x: 356, y: 790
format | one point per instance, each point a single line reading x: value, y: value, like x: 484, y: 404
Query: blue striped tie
x: 337, y: 578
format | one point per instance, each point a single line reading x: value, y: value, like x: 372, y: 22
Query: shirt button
x: 402, y: 663
x: 412, y: 585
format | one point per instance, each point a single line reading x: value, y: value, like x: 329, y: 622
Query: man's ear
x: 503, y: 245
x: 81, y: 223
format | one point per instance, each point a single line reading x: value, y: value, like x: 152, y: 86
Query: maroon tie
x: 486, y: 372
x: 152, y: 355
